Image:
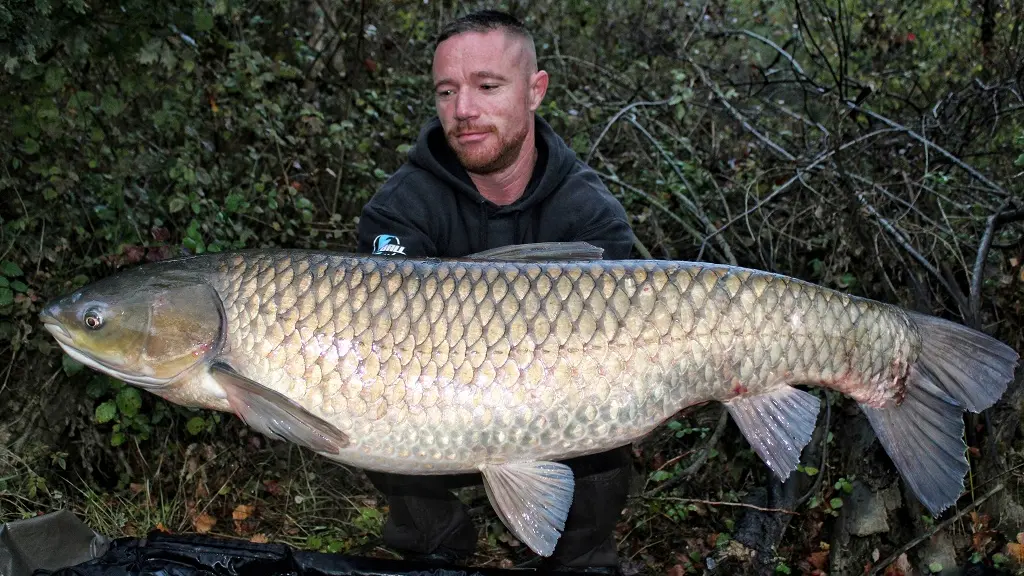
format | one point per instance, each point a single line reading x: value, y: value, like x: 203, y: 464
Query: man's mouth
x: 471, y: 136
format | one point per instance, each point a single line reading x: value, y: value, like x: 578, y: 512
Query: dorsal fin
x: 542, y: 251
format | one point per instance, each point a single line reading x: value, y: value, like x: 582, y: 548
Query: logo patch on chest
x: 388, y: 244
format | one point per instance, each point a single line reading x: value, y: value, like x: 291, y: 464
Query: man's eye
x: 489, y: 86
x: 443, y: 93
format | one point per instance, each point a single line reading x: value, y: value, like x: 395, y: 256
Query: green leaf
x: 177, y: 204
x: 660, y: 475
x: 30, y: 146
x: 935, y: 567
x: 195, y: 425
x: 4, y: 282
x: 54, y: 78
x: 810, y: 470
x: 6, y: 296
x: 836, y: 503
x: 70, y: 365
x: 203, y: 20
x: 117, y: 438
x: 112, y: 105
x: 10, y: 269
x: 97, y: 387
x: 105, y: 412
x: 19, y: 286
x: 129, y: 401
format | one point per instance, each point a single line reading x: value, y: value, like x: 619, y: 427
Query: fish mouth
x: 67, y: 343
x: 55, y: 328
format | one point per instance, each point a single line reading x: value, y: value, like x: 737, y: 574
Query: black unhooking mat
x: 58, y: 544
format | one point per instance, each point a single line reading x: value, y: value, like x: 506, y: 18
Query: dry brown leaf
x: 1015, y: 551
x: 901, y: 567
x: 204, y: 523
x: 161, y: 528
x: 260, y: 538
x: 676, y: 570
x: 242, y: 511
x: 819, y: 559
x: 979, y: 540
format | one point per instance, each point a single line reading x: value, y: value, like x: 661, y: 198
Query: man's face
x: 486, y: 92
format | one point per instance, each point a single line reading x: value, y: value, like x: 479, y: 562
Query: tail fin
x: 958, y: 368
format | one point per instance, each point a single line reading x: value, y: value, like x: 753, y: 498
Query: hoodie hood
x: 555, y: 161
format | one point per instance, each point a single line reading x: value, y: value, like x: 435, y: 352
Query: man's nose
x: 465, y: 106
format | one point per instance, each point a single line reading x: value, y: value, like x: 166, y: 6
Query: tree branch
x: 994, y: 221
x: 966, y: 167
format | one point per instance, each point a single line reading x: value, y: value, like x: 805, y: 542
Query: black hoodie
x: 430, y: 207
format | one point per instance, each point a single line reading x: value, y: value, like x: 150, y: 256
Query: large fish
x: 508, y: 361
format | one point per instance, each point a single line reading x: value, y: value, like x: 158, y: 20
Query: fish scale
x: 504, y: 365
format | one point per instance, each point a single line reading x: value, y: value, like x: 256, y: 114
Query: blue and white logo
x: 387, y: 244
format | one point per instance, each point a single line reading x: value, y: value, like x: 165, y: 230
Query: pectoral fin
x: 275, y: 415
x: 532, y: 499
x: 778, y: 424
x: 541, y: 251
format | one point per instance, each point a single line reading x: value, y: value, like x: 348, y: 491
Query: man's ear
x: 538, y: 88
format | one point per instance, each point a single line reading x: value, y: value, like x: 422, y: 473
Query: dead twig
x: 614, y: 119
x: 928, y: 143
x: 902, y: 241
x: 736, y: 504
x: 698, y: 462
x: 688, y: 202
x: 788, y: 183
x: 736, y: 114
x: 997, y: 219
x: 902, y: 549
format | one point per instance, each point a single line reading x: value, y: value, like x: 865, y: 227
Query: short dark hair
x: 484, y: 21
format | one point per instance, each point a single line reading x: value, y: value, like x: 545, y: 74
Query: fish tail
x: 958, y: 369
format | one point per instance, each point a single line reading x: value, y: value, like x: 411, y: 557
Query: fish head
x: 144, y: 329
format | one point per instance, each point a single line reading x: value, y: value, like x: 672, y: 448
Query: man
x: 486, y: 173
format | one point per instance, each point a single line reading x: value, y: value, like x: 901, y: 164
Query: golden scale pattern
x: 447, y: 364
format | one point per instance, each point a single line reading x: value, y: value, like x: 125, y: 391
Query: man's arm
x: 602, y: 220
x: 613, y: 235
x: 394, y: 222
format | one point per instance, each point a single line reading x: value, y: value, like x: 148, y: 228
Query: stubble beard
x: 489, y: 161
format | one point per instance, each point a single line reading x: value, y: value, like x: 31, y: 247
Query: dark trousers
x: 426, y: 518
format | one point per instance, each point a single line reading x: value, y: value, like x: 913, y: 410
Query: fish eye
x: 93, y: 319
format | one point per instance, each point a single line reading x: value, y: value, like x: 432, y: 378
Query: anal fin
x: 532, y: 499
x: 778, y: 424
x: 275, y: 415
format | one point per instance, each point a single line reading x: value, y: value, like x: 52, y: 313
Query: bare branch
x: 928, y: 143
x: 689, y: 203
x: 900, y: 239
x: 796, y: 65
x: 614, y: 119
x: 880, y: 567
x: 788, y: 183
x: 992, y: 224
x: 736, y: 114
x: 698, y: 462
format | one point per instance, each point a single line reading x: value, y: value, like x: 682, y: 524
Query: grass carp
x: 508, y: 361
